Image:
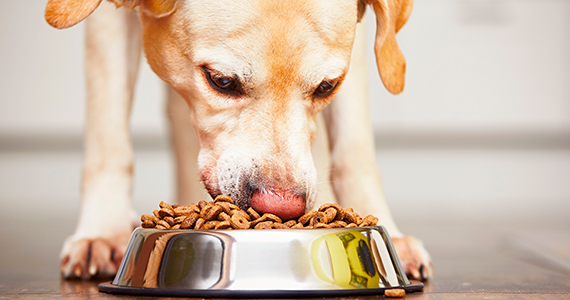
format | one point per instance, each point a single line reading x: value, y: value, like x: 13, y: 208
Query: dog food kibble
x: 222, y: 213
x: 395, y: 293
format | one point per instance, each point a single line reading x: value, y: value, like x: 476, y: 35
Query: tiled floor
x: 472, y: 262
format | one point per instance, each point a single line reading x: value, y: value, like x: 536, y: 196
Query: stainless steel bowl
x: 260, y: 263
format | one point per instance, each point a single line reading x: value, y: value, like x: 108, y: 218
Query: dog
x: 250, y: 84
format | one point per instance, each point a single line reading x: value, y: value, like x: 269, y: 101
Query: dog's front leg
x: 356, y: 179
x: 185, y: 146
x: 107, y: 217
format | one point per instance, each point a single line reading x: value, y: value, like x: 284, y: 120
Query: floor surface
x: 471, y: 261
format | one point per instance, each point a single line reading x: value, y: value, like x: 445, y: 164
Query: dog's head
x: 255, y: 73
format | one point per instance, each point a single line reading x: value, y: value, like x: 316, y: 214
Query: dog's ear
x: 391, y: 15
x: 158, y: 8
x: 66, y: 13
x: 154, y: 8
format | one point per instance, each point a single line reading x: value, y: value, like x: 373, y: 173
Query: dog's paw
x: 414, y: 258
x: 93, y: 258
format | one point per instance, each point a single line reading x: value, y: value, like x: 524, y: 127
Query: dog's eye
x: 325, y: 88
x: 221, y: 83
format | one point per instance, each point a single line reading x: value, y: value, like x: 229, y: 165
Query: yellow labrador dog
x: 255, y: 75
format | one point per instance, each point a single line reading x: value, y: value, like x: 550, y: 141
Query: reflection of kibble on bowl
x: 222, y: 213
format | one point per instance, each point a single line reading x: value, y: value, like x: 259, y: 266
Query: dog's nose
x: 286, y: 205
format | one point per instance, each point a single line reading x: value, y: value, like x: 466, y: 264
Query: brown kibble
x: 222, y: 213
x: 264, y: 225
x: 223, y: 224
x: 272, y: 217
x: 297, y: 226
x: 210, y: 225
x: 230, y: 207
x: 163, y: 204
x: 253, y: 214
x: 331, y: 213
x: 340, y: 224
x: 223, y: 216
x: 233, y: 206
x: 179, y: 220
x: 329, y: 205
x: 148, y: 224
x: 225, y: 206
x: 339, y: 212
x: 290, y: 223
x: 211, y: 213
x: 307, y: 217
x: 321, y: 225
x: 205, y: 209
x: 367, y: 221
x: 334, y: 225
x: 240, y: 212
x: 195, y: 207
x: 183, y: 210
x: 169, y: 220
x: 395, y: 293
x: 148, y: 218
x: 319, y: 217
x: 339, y: 215
x: 166, y: 212
x: 189, y: 221
x: 258, y: 220
x: 238, y: 221
x: 199, y: 223
x: 163, y: 224
x: 358, y: 220
x: 224, y: 198
x: 280, y: 226
x: 350, y: 217
x: 201, y: 204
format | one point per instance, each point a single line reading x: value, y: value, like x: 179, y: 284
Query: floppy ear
x: 391, y: 15
x: 158, y: 8
x: 66, y: 13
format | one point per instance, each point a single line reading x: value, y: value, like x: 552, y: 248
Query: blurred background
x: 480, y: 135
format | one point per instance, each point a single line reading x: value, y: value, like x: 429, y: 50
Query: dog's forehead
x: 241, y: 32
x: 324, y: 13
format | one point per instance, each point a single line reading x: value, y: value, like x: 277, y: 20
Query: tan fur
x: 185, y: 146
x: 66, y: 13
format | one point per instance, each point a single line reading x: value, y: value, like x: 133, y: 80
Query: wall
x: 480, y: 134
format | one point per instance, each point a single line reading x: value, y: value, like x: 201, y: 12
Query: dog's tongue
x: 283, y: 204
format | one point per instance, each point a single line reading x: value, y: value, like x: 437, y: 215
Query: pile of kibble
x: 222, y: 213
